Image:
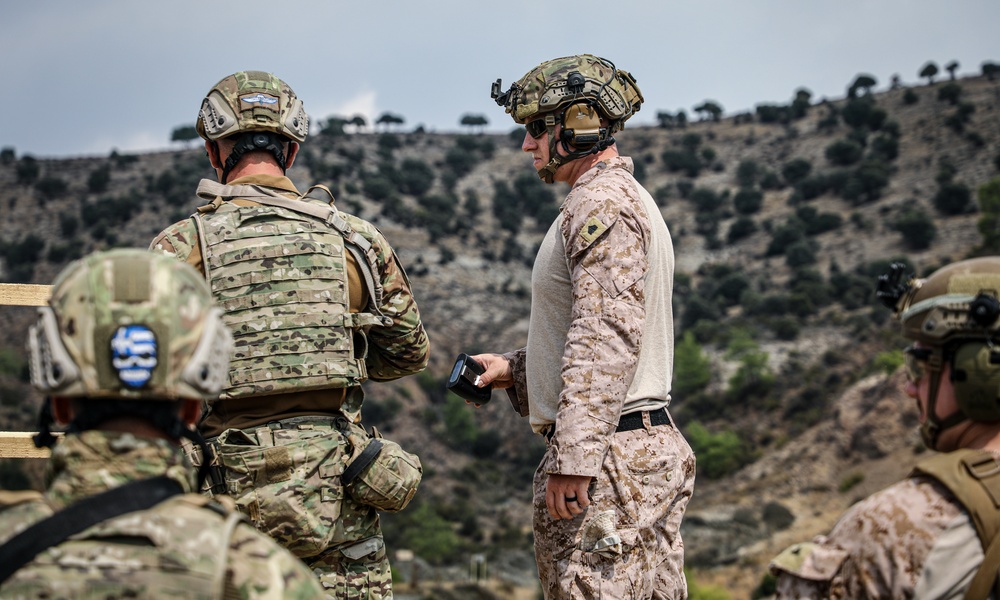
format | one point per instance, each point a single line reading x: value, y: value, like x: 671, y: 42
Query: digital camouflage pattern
x: 606, y: 255
x: 172, y: 550
x: 646, y: 481
x: 883, y: 547
x: 544, y: 89
x: 252, y: 101
x: 93, y: 299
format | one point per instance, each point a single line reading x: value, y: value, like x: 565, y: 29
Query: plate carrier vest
x: 279, y: 272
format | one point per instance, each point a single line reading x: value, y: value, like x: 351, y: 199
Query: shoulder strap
x: 137, y: 495
x: 356, y: 244
x: 973, y: 476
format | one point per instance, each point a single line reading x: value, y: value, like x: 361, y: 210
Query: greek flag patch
x: 134, y: 355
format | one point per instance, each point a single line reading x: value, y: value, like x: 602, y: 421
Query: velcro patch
x: 592, y: 229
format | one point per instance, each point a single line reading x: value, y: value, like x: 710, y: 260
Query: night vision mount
x: 893, y: 286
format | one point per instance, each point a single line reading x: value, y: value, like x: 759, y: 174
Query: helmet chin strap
x: 932, y: 427
x: 556, y: 160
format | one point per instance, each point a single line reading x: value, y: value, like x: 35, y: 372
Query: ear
x: 62, y: 410
x: 293, y: 151
x: 190, y: 411
x: 212, y: 148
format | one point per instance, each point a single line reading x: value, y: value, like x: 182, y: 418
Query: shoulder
x: 19, y: 510
x: 609, y: 196
x: 176, y: 239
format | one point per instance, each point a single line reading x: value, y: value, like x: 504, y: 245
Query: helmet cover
x: 549, y: 87
x: 252, y: 101
x: 130, y: 324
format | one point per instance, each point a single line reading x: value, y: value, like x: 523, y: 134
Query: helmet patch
x: 134, y: 355
x: 260, y: 99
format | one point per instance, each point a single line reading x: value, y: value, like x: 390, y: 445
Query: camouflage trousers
x: 286, y: 478
x: 641, y: 493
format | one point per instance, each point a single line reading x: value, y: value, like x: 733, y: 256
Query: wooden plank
x: 24, y: 294
x: 18, y: 444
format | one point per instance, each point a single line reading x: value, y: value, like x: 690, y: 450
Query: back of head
x: 955, y: 314
x: 132, y: 325
x: 257, y: 111
x: 586, y: 95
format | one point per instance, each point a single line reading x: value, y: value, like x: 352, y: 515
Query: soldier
x: 594, y: 378
x: 925, y: 536
x: 318, y: 303
x: 128, y: 348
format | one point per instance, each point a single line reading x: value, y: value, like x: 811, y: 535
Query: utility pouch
x: 381, y: 474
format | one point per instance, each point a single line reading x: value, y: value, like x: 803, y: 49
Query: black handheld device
x: 462, y: 380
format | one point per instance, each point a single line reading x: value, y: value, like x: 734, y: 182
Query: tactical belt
x: 629, y: 421
x: 80, y: 516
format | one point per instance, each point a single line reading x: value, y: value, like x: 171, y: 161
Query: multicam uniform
x: 595, y: 379
x: 911, y: 540
x: 180, y: 548
x: 284, y: 449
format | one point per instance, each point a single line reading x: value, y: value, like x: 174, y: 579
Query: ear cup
x: 975, y: 376
x: 581, y: 126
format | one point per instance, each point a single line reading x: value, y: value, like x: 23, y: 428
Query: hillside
x: 780, y: 221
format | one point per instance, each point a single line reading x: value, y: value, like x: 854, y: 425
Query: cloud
x: 364, y: 103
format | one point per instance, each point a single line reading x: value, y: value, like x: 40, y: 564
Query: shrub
x: 415, y: 177
x: 800, y: 254
x: 681, y: 161
x: 844, y: 152
x: 748, y: 201
x: 917, y: 228
x: 718, y: 453
x: 706, y: 200
x: 953, y: 199
x: 98, y: 180
x: 27, y: 170
x: 910, y: 97
x: 776, y: 516
x: 747, y: 173
x: 796, y: 170
x: 742, y: 227
x: 887, y: 362
x: 692, y: 369
x: 51, y: 187
x: 850, y: 480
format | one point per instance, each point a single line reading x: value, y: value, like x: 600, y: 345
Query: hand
x: 559, y: 488
x: 497, y: 371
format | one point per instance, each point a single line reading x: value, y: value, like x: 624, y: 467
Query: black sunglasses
x: 536, y: 128
x: 914, y: 361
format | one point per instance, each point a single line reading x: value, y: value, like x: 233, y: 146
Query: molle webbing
x: 280, y: 275
x: 973, y: 476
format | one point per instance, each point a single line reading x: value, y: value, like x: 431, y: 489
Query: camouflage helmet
x: 252, y: 101
x: 955, y: 302
x: 133, y: 325
x: 558, y: 83
x: 954, y: 316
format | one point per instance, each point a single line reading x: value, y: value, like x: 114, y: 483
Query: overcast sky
x: 87, y: 77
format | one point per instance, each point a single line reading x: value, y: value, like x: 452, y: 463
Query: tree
x: 692, y: 369
x: 929, y: 72
x: 184, y: 133
x: 473, y: 121
x: 951, y: 68
x: 712, y: 110
x: 989, y: 223
x: 864, y: 83
x: 359, y: 123
x: 917, y: 228
x: 388, y: 119
x: 665, y: 120
x: 333, y: 126
x: 990, y: 70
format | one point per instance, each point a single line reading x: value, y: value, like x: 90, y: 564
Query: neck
x: 254, y: 163
x: 981, y: 436
x: 571, y: 171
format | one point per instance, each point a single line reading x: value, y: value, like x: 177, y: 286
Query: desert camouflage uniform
x: 911, y: 540
x: 285, y: 451
x: 643, y: 478
x: 180, y: 548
